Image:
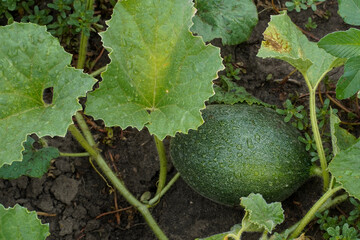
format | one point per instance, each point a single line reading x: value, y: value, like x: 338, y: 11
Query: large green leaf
x: 343, y: 44
x: 231, y: 20
x: 34, y: 164
x: 263, y: 215
x: 20, y: 224
x: 31, y: 60
x: 349, y: 10
x: 346, y: 168
x: 283, y: 40
x: 160, y: 75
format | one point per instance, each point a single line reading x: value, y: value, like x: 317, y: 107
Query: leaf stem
x: 163, y: 164
x: 84, y: 40
x: 82, y: 50
x: 317, y: 137
x: 84, y: 128
x: 328, y: 204
x: 165, y: 189
x: 311, y: 213
x: 84, y: 154
x: 117, y: 183
x: 98, y: 71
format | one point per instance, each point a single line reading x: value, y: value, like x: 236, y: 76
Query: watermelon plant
x: 159, y: 77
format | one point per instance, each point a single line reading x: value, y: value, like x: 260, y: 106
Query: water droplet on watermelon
x: 257, y: 138
x: 250, y: 143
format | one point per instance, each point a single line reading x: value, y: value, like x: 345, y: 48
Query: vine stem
x: 165, y: 189
x: 311, y: 213
x: 328, y: 204
x: 84, y: 41
x: 163, y: 164
x: 142, y: 208
x: 317, y: 136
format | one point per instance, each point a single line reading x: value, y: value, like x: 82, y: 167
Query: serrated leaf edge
x: 110, y: 50
x: 30, y: 213
x: 257, y: 224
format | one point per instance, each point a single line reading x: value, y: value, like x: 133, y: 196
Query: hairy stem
x: 311, y: 213
x: 117, y: 183
x: 84, y: 41
x: 317, y: 137
x: 163, y: 164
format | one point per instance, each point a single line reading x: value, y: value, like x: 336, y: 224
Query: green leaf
x: 283, y: 40
x: 34, y: 164
x: 343, y: 44
x: 234, y: 230
x: 232, y: 21
x: 20, y: 224
x: 340, y: 138
x: 262, y: 214
x: 349, y: 83
x: 160, y: 75
x: 345, y: 167
x: 30, y: 63
x: 349, y: 10
x: 230, y: 93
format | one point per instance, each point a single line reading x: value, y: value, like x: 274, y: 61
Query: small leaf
x: 264, y: 215
x: 20, y: 224
x: 283, y: 40
x: 340, y: 138
x: 232, y: 20
x: 230, y: 93
x: 34, y: 164
x: 343, y: 44
x: 349, y: 83
x: 160, y: 75
x: 234, y: 230
x: 346, y: 168
x: 349, y: 10
x: 31, y: 63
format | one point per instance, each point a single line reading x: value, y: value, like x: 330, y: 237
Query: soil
x: 74, y: 198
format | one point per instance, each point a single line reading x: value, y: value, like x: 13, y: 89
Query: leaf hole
x: 48, y: 95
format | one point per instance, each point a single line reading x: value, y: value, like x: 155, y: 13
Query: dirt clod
x: 65, y: 189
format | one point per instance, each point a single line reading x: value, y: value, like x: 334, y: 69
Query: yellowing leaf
x: 160, y: 75
x: 283, y: 40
